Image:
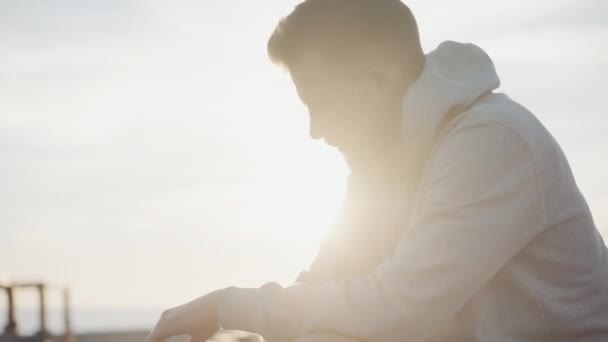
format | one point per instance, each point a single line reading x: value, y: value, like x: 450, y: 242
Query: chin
x: 349, y: 151
x: 345, y: 146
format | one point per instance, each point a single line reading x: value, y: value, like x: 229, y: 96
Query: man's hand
x: 197, y: 318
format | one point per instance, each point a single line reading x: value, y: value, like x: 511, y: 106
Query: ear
x: 381, y: 80
x: 385, y: 77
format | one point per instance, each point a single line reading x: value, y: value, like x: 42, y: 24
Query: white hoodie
x: 499, y: 244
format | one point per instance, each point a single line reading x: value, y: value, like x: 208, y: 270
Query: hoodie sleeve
x: 479, y: 206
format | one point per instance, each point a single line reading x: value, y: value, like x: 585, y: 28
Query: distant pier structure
x: 10, y: 332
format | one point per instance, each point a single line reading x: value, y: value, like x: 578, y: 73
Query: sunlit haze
x: 150, y: 151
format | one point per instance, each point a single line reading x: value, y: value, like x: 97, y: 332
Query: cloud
x: 38, y: 22
x: 573, y: 14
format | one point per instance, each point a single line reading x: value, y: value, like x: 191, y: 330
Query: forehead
x: 311, y: 72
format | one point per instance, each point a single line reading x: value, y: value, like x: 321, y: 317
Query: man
x: 462, y: 220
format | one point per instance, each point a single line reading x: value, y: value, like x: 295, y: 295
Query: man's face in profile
x: 347, y: 106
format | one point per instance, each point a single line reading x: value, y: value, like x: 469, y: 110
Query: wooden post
x: 11, y: 324
x: 42, y: 313
x: 68, y: 334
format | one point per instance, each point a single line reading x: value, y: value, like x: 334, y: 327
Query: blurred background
x: 151, y: 153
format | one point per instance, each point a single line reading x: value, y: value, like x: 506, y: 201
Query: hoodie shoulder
x: 499, y: 109
x: 554, y: 176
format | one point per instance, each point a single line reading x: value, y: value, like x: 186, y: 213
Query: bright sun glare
x: 316, y: 198
x: 301, y: 203
x: 300, y: 185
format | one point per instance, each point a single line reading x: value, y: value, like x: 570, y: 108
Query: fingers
x: 152, y: 338
x: 159, y: 333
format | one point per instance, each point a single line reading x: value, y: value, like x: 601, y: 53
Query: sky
x: 150, y: 152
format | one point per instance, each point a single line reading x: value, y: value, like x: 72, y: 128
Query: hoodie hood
x: 454, y: 75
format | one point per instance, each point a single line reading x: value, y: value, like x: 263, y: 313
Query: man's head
x: 351, y: 62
